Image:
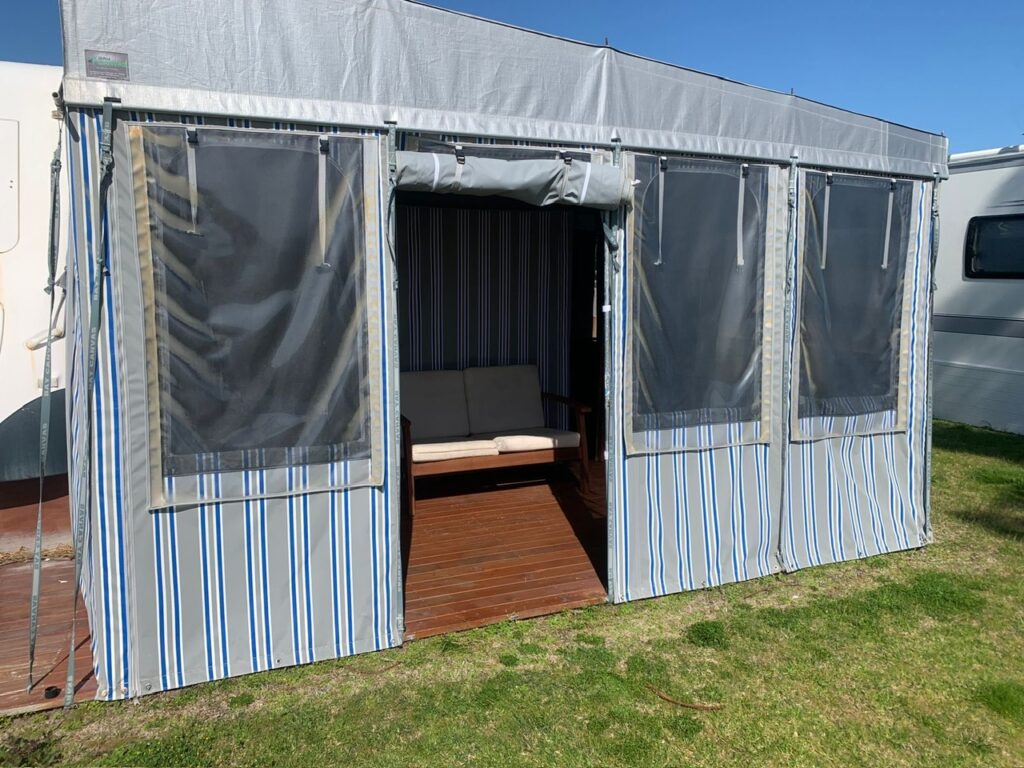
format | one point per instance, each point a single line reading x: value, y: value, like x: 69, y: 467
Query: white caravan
x: 28, y: 135
x: 979, y: 304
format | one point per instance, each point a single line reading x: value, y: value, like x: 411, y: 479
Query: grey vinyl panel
x: 329, y: 62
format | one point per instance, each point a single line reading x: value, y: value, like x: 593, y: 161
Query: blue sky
x: 955, y: 67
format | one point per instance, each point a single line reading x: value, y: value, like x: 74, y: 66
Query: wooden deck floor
x: 489, y: 546
x: 52, y: 644
x: 482, y: 548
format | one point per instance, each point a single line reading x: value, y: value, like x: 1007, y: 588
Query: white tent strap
x: 888, y: 225
x: 460, y: 167
x: 321, y: 194
x: 662, y: 170
x: 824, y: 220
x: 739, y: 214
x: 586, y: 185
x: 191, y: 139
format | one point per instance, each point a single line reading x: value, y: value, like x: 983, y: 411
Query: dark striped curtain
x: 481, y: 286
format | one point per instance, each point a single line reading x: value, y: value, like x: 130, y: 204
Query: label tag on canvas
x: 106, y: 65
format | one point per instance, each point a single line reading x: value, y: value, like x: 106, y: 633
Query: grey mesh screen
x: 697, y: 297
x: 261, y: 332
x: 851, y: 294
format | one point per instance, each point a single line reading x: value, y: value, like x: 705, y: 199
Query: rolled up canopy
x: 539, y: 182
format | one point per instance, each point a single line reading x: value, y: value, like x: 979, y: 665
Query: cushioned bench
x: 482, y: 418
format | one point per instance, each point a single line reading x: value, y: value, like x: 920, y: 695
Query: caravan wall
x: 979, y: 299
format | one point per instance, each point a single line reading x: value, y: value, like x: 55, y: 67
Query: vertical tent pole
x: 389, y: 229
x: 95, y: 308
x: 611, y: 267
x: 44, y: 405
x: 396, y: 409
x: 930, y: 368
x: 788, y: 332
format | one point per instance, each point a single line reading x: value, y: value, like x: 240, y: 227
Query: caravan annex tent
x: 235, y: 452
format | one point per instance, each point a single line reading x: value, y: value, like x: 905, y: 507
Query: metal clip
x: 325, y: 144
x: 192, y: 135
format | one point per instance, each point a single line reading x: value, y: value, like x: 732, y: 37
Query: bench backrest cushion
x: 501, y: 398
x: 435, y: 403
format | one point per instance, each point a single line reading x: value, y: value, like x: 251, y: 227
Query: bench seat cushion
x: 435, y: 404
x: 452, y: 448
x: 503, y: 399
x: 537, y: 439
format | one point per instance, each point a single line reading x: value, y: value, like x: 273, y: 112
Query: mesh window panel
x: 261, y: 332
x: 697, y: 297
x: 851, y: 294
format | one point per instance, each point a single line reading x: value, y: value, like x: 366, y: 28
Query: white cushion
x: 503, y: 399
x: 437, y: 450
x: 538, y: 439
x: 435, y: 403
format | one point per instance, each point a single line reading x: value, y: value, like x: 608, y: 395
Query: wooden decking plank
x: 51, y: 648
x: 486, y: 553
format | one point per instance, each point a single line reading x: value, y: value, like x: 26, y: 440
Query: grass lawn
x: 915, y: 658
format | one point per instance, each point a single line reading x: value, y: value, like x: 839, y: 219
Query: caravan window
x: 856, y: 239
x: 995, y: 247
x: 259, y: 324
x: 697, y: 295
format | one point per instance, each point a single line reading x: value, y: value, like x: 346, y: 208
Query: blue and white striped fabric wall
x: 697, y: 518
x: 694, y: 519
x: 104, y: 577
x: 188, y: 594
x: 862, y: 495
x: 76, y: 307
x: 482, y: 287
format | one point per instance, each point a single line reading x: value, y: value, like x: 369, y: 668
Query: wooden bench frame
x: 411, y: 470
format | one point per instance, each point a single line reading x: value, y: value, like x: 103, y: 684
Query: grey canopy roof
x: 362, y: 62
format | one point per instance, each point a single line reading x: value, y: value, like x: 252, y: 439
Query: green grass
x: 708, y: 634
x: 1004, y: 698
x: 915, y: 658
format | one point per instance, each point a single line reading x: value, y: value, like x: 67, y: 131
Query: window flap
x: 696, y: 305
x: 258, y: 264
x: 856, y: 243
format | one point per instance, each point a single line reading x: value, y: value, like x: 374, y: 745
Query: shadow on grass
x: 981, y: 442
x: 1004, y: 513
x: 863, y: 614
x: 35, y: 751
x: 1002, y: 522
x: 1004, y: 697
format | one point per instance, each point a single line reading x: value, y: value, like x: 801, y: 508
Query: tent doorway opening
x: 501, y: 342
